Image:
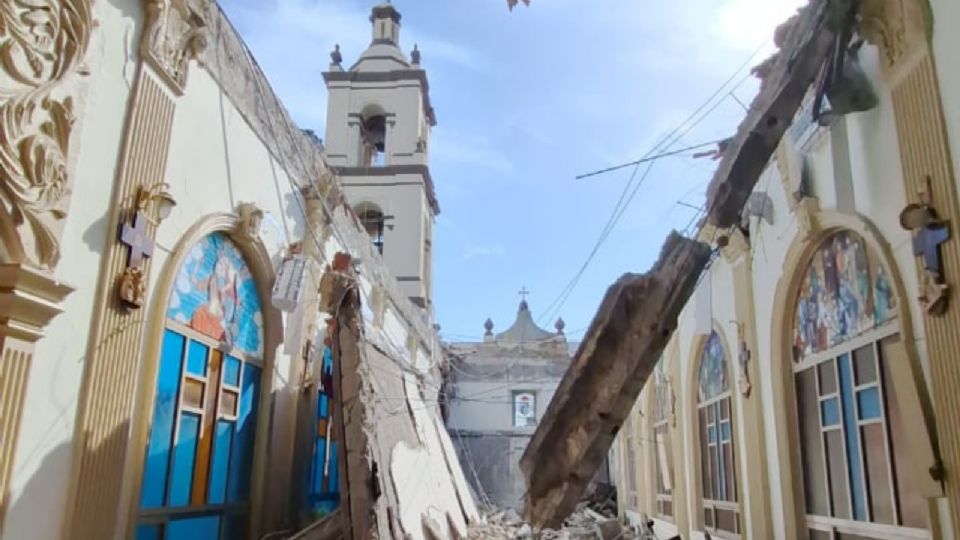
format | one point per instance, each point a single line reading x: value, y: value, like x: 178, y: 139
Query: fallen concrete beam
x: 399, y: 473
x: 621, y: 348
x: 358, y: 472
x: 805, y: 41
x: 639, y: 313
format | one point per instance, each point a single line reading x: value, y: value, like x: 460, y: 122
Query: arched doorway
x: 197, y: 473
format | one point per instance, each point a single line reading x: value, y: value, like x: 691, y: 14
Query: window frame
x: 816, y: 522
x: 513, y: 408
x: 702, y: 408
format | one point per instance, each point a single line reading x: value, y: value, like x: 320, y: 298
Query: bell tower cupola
x: 379, y: 118
x: 386, y: 24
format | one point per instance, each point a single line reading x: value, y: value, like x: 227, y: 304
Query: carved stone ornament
x: 174, y: 35
x: 897, y: 27
x: 807, y: 210
x: 42, y: 45
x: 251, y: 218
x: 734, y: 244
x: 929, y: 233
x: 132, y: 287
x: 743, y: 359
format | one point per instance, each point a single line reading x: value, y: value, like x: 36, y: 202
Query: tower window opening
x: 372, y: 220
x: 374, y: 141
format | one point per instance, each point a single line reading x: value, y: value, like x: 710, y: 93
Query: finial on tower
x: 488, y: 326
x: 415, y: 55
x: 335, y: 57
x: 560, y: 325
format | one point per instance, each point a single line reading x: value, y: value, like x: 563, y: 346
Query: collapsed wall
x: 400, y: 474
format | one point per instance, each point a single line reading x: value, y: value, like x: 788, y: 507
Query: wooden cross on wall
x: 135, y: 237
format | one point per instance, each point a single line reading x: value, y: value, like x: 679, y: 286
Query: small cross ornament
x: 135, y: 237
x: 523, y: 292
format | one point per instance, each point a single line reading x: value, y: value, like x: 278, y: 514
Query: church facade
x: 167, y: 369
x: 810, y: 389
x: 497, y: 391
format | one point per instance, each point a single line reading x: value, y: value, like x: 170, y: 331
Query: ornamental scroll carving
x: 42, y: 44
x: 174, y: 35
x: 898, y: 27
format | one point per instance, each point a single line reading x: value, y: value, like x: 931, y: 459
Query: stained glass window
x: 324, y: 482
x: 721, y: 511
x: 845, y: 292
x: 197, y: 472
x: 850, y: 430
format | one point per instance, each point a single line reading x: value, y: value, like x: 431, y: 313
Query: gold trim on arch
x: 906, y: 375
x: 258, y: 260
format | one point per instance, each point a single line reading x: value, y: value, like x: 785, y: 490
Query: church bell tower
x: 378, y: 135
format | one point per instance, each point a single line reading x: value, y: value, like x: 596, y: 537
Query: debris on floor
x: 583, y: 524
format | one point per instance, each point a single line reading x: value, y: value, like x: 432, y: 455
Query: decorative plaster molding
x: 174, y: 34
x: 897, y: 27
x: 248, y: 225
x: 29, y: 300
x: 42, y: 44
x: 734, y: 244
x: 808, y: 222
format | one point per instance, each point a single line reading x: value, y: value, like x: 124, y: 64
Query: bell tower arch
x: 379, y: 119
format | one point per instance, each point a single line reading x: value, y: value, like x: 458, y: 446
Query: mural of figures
x: 713, y: 369
x: 215, y: 294
x: 844, y: 293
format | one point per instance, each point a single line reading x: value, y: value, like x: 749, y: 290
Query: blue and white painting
x: 216, y: 295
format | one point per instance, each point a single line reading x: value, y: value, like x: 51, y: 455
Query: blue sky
x: 526, y: 100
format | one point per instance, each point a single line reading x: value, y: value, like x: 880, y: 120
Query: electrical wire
x: 690, y: 122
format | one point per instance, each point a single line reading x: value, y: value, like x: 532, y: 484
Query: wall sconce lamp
x: 160, y: 195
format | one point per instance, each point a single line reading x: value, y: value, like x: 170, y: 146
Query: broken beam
x: 807, y: 39
x: 639, y: 313
x: 621, y: 348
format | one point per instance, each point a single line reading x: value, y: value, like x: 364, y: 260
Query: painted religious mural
x: 713, y: 369
x: 845, y: 292
x: 197, y: 474
x: 215, y: 294
x: 524, y: 409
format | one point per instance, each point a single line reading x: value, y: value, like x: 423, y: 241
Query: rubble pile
x: 583, y: 524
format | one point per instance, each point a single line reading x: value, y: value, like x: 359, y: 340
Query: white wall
x: 41, y: 468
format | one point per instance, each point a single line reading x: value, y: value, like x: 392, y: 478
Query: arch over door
x: 199, y: 458
x: 852, y: 434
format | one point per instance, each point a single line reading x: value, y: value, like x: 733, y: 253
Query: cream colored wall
x: 215, y: 162
x: 946, y: 50
x: 41, y: 469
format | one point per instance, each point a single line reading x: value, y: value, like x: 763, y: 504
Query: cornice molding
x: 174, y: 34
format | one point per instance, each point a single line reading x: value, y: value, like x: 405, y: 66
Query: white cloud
x: 453, y: 147
x: 468, y: 248
x: 478, y: 251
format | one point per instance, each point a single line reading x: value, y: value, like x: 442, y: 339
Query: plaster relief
x: 174, y: 35
x: 897, y: 27
x: 42, y: 43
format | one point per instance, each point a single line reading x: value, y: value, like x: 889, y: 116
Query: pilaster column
x: 902, y: 29
x: 29, y: 300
